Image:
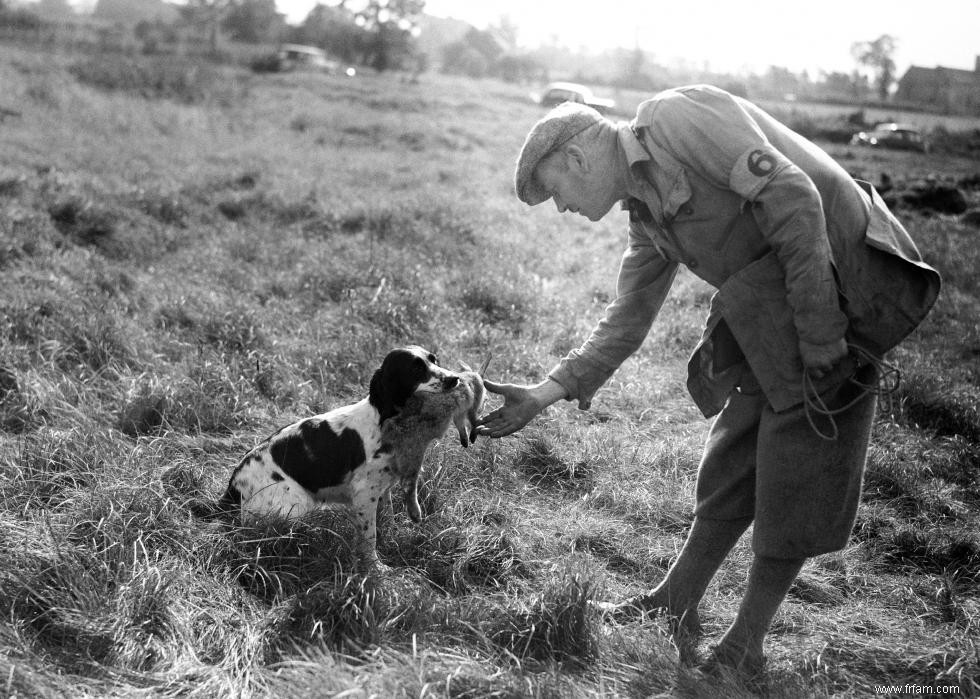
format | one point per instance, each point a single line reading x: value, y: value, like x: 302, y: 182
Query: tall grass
x: 210, y: 263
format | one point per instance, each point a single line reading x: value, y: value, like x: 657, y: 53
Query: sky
x: 731, y: 36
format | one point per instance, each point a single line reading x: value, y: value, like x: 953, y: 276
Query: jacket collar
x: 655, y: 176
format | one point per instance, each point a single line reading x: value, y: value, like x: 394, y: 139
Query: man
x: 816, y: 281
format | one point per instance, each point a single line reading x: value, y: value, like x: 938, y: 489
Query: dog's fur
x: 354, y: 454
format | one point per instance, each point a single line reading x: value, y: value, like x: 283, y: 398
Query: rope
x: 888, y: 378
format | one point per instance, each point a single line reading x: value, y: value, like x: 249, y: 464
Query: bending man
x: 816, y: 281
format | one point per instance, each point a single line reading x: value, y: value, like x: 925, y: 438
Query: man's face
x: 577, y: 184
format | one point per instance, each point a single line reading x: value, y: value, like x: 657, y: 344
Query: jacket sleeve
x: 645, y: 277
x: 708, y: 130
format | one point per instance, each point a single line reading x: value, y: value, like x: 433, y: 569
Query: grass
x: 181, y: 273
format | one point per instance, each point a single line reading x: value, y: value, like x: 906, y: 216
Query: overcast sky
x: 730, y: 35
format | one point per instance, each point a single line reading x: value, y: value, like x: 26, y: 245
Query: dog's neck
x: 386, y: 410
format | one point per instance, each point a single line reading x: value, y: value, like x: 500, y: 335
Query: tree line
x: 383, y: 34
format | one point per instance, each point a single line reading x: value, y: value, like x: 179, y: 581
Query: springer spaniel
x: 354, y: 454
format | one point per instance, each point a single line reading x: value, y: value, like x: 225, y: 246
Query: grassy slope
x: 178, y: 279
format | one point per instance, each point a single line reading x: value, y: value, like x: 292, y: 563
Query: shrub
x: 83, y: 220
x: 168, y: 77
x: 20, y: 20
x: 266, y: 63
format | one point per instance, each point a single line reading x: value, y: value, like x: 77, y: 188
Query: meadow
x: 192, y: 256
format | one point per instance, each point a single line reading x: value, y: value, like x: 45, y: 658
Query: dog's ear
x: 394, y: 383
x: 405, y: 376
x: 380, y: 396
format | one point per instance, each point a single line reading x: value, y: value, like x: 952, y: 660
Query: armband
x: 755, y: 168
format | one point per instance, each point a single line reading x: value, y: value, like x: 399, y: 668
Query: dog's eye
x: 432, y: 358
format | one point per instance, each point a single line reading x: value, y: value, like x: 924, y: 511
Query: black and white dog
x: 354, y: 454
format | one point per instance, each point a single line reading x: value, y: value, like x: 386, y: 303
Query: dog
x: 354, y: 454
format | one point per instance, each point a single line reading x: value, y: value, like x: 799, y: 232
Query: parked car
x: 892, y: 135
x: 556, y: 93
x: 298, y: 56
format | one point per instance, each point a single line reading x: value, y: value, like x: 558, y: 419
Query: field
x: 191, y: 257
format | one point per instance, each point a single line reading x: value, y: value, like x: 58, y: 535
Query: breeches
x: 801, y: 490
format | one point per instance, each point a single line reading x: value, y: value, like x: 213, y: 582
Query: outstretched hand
x: 519, y: 408
x: 521, y: 404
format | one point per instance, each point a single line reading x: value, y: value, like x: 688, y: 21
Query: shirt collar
x: 635, y: 153
x: 655, y: 176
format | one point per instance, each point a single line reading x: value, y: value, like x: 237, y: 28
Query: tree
x: 54, y: 10
x: 515, y: 67
x: 781, y: 82
x: 132, y: 12
x: 334, y: 29
x: 506, y: 31
x: 633, y: 71
x: 460, y: 58
x: 877, y: 55
x: 254, y: 21
x: 836, y: 85
x: 206, y: 15
x: 392, y: 26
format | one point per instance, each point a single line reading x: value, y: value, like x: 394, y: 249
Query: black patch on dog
x: 230, y: 501
x: 316, y: 456
x: 400, y: 374
x: 276, y: 476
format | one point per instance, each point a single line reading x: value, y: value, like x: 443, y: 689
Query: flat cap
x: 556, y: 128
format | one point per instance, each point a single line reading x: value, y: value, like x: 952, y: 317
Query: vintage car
x: 298, y: 56
x: 556, y: 93
x: 892, y: 135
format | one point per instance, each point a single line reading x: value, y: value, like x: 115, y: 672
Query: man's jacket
x: 798, y: 250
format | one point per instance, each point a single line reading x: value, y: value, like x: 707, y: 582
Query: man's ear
x: 576, y: 158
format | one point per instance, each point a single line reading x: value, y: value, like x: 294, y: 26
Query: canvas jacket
x: 799, y: 251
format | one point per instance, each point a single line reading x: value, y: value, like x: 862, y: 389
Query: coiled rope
x: 887, y: 381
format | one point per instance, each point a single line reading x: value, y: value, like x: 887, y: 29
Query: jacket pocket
x: 887, y: 288
x: 757, y: 311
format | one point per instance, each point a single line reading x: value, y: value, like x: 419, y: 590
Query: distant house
x: 954, y: 90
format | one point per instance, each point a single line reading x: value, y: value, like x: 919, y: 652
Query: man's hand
x: 521, y: 404
x: 818, y: 360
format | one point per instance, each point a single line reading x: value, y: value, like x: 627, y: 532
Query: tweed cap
x: 555, y: 129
